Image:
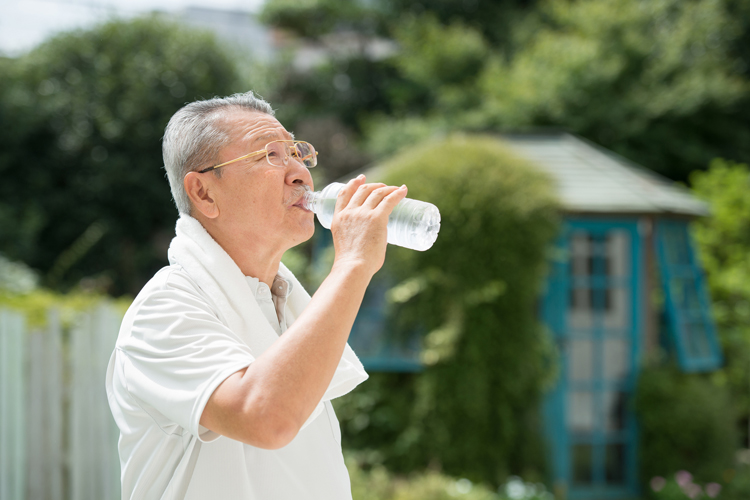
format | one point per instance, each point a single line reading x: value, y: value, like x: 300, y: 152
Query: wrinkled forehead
x: 253, y: 128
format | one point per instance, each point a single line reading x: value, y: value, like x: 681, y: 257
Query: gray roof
x: 591, y: 179
x: 594, y: 180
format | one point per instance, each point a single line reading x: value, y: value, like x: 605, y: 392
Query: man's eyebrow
x: 266, y: 136
x: 271, y: 135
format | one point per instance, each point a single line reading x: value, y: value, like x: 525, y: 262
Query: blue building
x: 623, y: 280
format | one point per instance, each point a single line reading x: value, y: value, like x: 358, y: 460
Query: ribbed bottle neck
x: 309, y: 199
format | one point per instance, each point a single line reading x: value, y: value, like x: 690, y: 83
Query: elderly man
x: 224, y: 367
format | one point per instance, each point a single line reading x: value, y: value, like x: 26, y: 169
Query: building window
x: 691, y: 326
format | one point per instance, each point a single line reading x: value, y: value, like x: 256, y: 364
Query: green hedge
x: 723, y: 241
x: 474, y: 411
x: 36, y: 305
x: 377, y: 483
x: 686, y: 422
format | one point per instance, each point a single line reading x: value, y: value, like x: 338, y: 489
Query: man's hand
x: 359, y: 223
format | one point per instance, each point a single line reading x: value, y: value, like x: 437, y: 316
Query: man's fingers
x: 378, y: 195
x: 372, y: 196
x: 392, y: 199
x: 345, y: 195
x: 363, y: 193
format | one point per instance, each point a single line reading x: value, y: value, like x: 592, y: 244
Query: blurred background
x: 581, y: 328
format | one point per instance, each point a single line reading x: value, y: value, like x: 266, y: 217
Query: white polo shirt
x: 172, y: 352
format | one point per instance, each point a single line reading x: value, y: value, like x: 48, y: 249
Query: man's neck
x: 252, y: 255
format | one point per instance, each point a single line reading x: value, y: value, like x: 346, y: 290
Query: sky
x: 26, y: 23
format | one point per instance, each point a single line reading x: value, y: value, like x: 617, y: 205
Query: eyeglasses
x: 278, y: 154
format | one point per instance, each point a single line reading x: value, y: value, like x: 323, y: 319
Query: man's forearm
x: 295, y: 371
x: 266, y: 404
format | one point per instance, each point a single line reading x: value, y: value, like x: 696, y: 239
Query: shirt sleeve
x: 177, y: 353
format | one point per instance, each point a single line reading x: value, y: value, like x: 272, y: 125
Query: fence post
x: 80, y: 440
x: 92, y: 432
x: 12, y: 408
x: 107, y: 321
x: 45, y: 464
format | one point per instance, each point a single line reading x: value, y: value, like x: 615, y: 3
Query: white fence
x: 58, y: 440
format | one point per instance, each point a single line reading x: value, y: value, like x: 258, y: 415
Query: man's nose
x: 297, y: 173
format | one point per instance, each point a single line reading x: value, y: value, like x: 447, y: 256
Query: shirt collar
x: 281, y: 287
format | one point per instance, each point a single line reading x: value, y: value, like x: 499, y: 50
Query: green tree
x: 665, y: 83
x: 315, y: 19
x: 84, y: 191
x: 723, y: 241
x: 655, y: 81
x: 437, y: 47
x: 659, y: 82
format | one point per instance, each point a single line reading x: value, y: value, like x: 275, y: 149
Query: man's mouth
x: 299, y: 195
x: 301, y: 204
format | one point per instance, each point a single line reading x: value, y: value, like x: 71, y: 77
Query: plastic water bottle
x: 413, y: 224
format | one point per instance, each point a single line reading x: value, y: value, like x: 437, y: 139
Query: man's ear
x: 198, y: 190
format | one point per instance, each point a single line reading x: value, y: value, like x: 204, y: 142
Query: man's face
x: 258, y: 200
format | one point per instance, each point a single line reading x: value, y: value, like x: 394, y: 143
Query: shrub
x: 737, y: 483
x: 682, y: 487
x: 16, y: 277
x: 36, y: 305
x: 377, y: 483
x: 723, y: 241
x: 687, y: 423
x: 474, y: 409
x: 736, y: 486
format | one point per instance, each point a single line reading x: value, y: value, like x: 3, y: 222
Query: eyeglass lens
x: 279, y: 153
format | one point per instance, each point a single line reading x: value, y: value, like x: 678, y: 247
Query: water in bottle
x: 413, y: 224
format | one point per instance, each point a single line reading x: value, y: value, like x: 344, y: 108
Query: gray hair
x: 195, y: 135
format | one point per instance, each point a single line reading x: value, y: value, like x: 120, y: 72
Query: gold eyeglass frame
x: 265, y: 150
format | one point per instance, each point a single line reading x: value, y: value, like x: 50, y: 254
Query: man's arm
x: 266, y: 404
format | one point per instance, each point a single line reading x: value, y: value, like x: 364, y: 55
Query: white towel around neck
x: 226, y: 287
